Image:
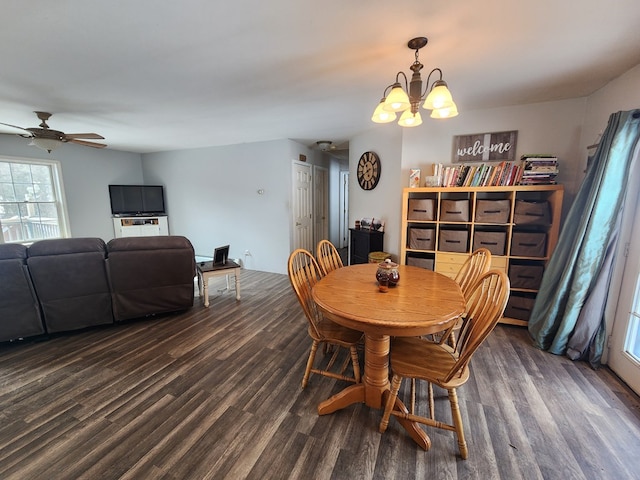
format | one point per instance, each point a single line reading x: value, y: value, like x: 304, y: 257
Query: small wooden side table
x: 207, y: 270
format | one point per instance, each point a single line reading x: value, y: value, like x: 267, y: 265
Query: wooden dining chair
x: 442, y: 365
x: 328, y: 257
x: 304, y: 272
x: 478, y: 263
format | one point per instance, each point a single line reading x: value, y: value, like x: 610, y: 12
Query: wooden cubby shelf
x: 441, y: 226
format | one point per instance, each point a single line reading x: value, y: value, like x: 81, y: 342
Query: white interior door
x: 624, y: 347
x: 302, y: 207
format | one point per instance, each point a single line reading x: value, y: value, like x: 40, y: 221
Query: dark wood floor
x: 215, y: 393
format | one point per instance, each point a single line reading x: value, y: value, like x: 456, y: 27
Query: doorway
x: 302, y: 207
x: 319, y: 206
x: 321, y: 203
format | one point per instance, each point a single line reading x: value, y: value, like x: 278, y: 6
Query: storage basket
x: 426, y: 263
x: 531, y: 213
x: 453, y: 241
x: 492, y: 241
x: 378, y: 257
x: 422, y: 238
x: 492, y: 211
x: 454, y: 211
x: 421, y: 209
x: 519, y: 307
x: 528, y: 244
x: 526, y: 276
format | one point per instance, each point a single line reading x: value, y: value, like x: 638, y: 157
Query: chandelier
x: 407, y: 100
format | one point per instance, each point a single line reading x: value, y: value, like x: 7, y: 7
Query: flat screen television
x: 136, y: 199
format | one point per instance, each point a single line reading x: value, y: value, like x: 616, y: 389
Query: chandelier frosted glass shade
x: 445, y: 112
x: 397, y: 100
x: 439, y: 97
x: 409, y: 119
x: 380, y: 115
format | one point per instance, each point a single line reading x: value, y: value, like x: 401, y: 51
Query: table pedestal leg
x: 374, y: 389
x: 375, y: 380
x: 348, y: 396
x: 376, y: 369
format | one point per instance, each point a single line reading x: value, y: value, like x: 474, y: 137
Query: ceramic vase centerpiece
x: 387, y: 273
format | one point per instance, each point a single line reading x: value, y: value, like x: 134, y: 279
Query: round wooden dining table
x: 423, y: 302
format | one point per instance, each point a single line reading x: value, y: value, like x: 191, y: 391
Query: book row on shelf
x: 530, y: 170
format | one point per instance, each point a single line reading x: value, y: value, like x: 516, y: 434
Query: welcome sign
x: 485, y: 147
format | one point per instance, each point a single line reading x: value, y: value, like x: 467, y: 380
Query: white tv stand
x: 141, y: 226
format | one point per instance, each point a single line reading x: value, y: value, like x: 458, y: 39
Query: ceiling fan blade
x: 86, y: 144
x: 15, y: 126
x: 93, y: 136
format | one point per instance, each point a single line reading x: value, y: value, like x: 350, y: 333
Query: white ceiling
x: 161, y: 75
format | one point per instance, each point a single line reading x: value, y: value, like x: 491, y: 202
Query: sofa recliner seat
x: 20, y: 315
x: 70, y: 280
x: 150, y: 275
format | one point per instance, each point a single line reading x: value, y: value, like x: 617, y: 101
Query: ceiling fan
x: 48, y: 139
x: 329, y: 147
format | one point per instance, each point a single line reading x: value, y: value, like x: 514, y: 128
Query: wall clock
x: 368, y: 170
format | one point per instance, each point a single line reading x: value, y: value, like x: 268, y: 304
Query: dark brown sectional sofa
x: 70, y: 284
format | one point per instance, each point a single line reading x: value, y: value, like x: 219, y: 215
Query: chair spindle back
x: 478, y: 263
x: 328, y: 257
x: 304, y: 273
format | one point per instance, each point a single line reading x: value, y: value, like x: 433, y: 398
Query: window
x: 31, y: 201
x: 632, y: 346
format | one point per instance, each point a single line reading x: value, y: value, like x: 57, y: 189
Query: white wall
x: 622, y: 93
x: 86, y: 174
x: 383, y: 201
x: 212, y: 198
x: 551, y: 127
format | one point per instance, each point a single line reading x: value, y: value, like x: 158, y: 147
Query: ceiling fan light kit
x: 324, y: 145
x: 48, y: 139
x: 47, y: 144
x: 407, y: 100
